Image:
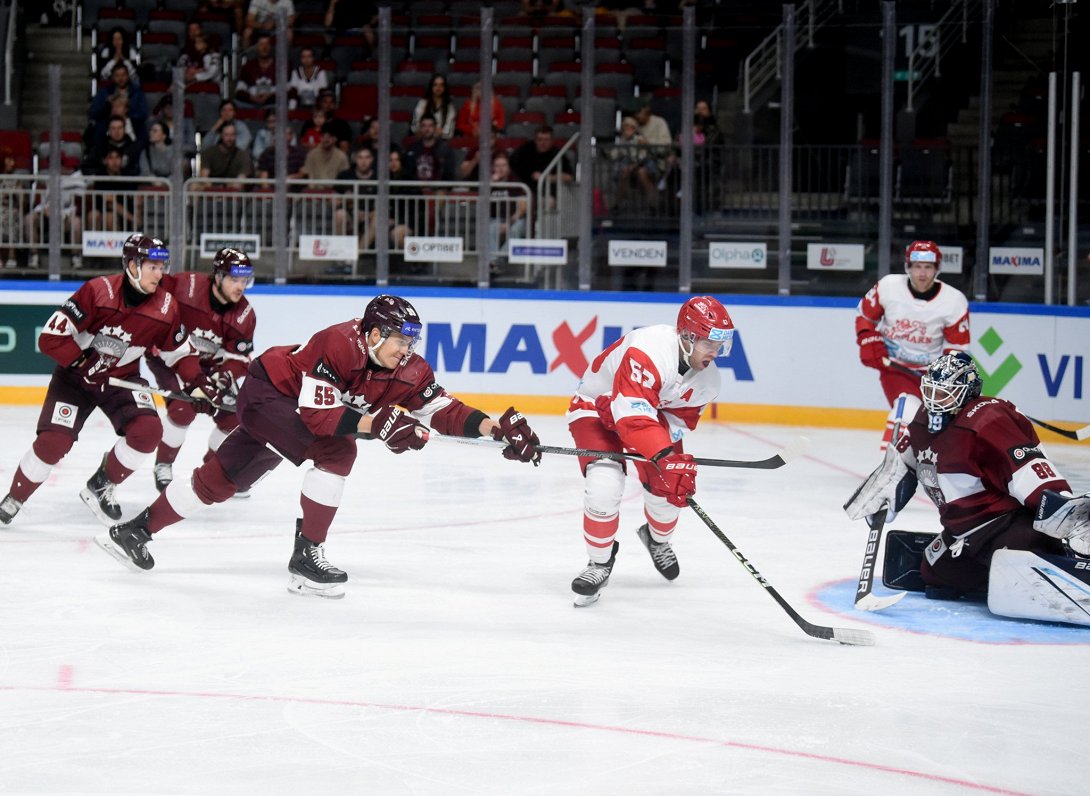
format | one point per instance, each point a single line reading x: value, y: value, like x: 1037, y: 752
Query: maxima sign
x: 104, y: 244
x: 638, y: 252
x: 841, y: 257
x: 433, y: 250
x: 737, y: 255
x: 1007, y: 260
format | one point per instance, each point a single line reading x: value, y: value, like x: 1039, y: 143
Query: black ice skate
x: 310, y: 573
x: 128, y: 542
x: 9, y: 507
x: 593, y: 579
x: 99, y: 496
x: 662, y: 555
x: 164, y: 474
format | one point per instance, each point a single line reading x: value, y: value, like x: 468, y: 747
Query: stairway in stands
x: 47, y: 46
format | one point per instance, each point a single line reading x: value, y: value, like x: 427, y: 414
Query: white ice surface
x: 457, y: 665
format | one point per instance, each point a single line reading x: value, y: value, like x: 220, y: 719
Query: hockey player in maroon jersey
x: 981, y: 463
x: 643, y: 394
x: 101, y: 332
x: 221, y: 325
x: 292, y: 406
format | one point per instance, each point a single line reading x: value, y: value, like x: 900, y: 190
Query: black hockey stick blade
x: 847, y: 636
x: 1078, y: 434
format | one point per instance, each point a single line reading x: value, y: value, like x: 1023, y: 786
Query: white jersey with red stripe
x: 651, y: 403
x: 916, y: 330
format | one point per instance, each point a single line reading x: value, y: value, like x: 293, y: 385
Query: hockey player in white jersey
x: 642, y: 395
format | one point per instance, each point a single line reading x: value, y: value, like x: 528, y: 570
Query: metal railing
x: 925, y: 60
x: 557, y: 201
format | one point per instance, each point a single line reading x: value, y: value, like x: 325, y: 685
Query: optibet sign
x: 433, y: 250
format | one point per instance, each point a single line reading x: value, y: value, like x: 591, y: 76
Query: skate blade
x: 241, y: 495
x: 583, y: 600
x: 308, y: 588
x: 89, y: 499
x: 104, y: 541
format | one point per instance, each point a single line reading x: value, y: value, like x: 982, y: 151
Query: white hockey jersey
x: 636, y: 383
x: 915, y: 330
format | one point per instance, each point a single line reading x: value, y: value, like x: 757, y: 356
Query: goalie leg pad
x: 1065, y: 517
x: 1027, y: 585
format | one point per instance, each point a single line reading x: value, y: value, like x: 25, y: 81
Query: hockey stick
x: 860, y: 638
x: 864, y: 599
x: 796, y: 447
x: 173, y: 395
x: 1078, y: 434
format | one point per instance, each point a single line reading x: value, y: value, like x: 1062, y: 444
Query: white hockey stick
x: 173, y: 395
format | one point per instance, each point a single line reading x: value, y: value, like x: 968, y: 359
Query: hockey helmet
x: 232, y: 262
x: 950, y: 382
x: 923, y: 251
x: 390, y: 314
x: 704, y: 318
x: 141, y: 247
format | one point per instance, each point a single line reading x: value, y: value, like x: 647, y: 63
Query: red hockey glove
x: 94, y: 368
x: 522, y: 442
x: 603, y: 406
x: 675, y: 479
x: 397, y: 430
x: 872, y: 351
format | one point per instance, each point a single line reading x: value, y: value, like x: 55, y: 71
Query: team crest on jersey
x: 927, y: 472
x: 112, y: 341
x: 64, y: 415
x: 205, y: 341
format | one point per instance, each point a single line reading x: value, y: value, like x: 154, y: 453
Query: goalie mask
x: 705, y: 322
x: 140, y: 248
x: 391, y: 314
x: 951, y: 381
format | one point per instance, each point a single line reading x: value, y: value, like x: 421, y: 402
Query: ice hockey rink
x: 457, y: 664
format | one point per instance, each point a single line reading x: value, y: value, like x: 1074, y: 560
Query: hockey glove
x: 890, y: 486
x: 521, y: 441
x: 675, y: 479
x: 1062, y: 516
x: 397, y: 430
x: 872, y: 350
x: 603, y: 405
x: 94, y: 368
x: 206, y: 394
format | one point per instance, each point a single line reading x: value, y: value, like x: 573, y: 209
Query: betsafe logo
x: 1005, y: 369
x: 541, y: 350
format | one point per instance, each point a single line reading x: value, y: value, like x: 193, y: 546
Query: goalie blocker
x: 1021, y: 584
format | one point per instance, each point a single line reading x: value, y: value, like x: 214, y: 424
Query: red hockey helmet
x: 704, y: 318
x: 232, y: 262
x: 923, y: 251
x: 390, y: 314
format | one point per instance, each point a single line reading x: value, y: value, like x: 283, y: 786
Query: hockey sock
x: 173, y: 437
x: 37, y: 463
x: 320, y: 498
x: 142, y: 436
x: 602, y: 491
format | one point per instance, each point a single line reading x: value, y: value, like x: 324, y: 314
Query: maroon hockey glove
x: 207, y: 392
x: 675, y: 479
x: 397, y: 430
x: 872, y: 351
x: 94, y: 368
x: 521, y: 441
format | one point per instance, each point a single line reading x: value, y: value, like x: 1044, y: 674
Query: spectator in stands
x: 256, y: 84
x: 437, y: 104
x: 541, y: 8
x: 399, y: 221
x: 628, y: 154
x: 470, y: 166
x: 120, y: 84
x: 430, y: 157
x: 157, y: 159
x: 261, y: 18
x: 264, y: 137
x: 164, y: 112
x: 225, y: 159
x: 531, y: 159
x: 73, y: 185
x: 506, y: 211
x: 112, y: 200
x: 469, y: 117
x: 117, y: 50
x: 201, y: 62
x: 353, y: 16
x: 327, y: 103
x: 297, y: 156
x: 656, y: 134
x: 232, y: 8
x: 368, y: 137
x: 705, y: 128
x: 325, y: 161
x: 228, y: 114
x: 117, y: 140
x: 306, y: 81
x: 11, y: 207
x: 362, y: 170
x: 119, y: 106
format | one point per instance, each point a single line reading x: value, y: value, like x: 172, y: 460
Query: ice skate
x: 128, y: 542
x: 662, y: 555
x: 593, y: 579
x: 310, y: 573
x: 164, y: 474
x: 9, y: 507
x: 99, y: 496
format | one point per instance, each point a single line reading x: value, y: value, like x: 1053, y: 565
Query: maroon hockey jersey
x: 987, y: 462
x: 333, y: 368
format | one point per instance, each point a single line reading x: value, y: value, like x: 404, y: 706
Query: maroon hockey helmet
x: 390, y: 314
x: 923, y: 251
x: 141, y: 248
x: 704, y: 318
x: 232, y: 262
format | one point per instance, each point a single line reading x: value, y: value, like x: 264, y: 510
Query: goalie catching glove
x: 1063, y: 516
x: 397, y: 430
x: 521, y: 441
x: 890, y: 486
x: 675, y: 479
